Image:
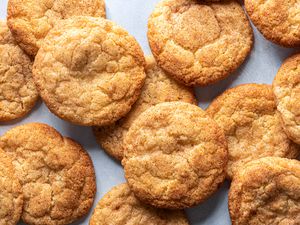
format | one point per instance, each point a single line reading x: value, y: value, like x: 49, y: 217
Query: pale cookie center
x: 85, y: 60
x: 263, y: 137
x: 196, y: 27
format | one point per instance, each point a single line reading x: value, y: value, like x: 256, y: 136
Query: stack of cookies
x: 91, y: 72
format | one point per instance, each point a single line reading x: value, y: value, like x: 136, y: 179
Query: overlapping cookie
x: 89, y: 71
x: 248, y: 116
x: 158, y: 88
x: 18, y: 93
x: 277, y: 20
x: 266, y: 191
x: 56, y: 174
x: 286, y: 87
x: 31, y: 20
x: 119, y: 206
x: 175, y: 156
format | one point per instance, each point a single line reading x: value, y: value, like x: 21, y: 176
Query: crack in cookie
x: 11, y: 196
x: 266, y: 191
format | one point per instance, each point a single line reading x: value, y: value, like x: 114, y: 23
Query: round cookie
x: 119, y: 206
x: 268, y: 190
x: 18, y: 93
x: 277, y: 20
x: 199, y: 43
x: 252, y: 126
x: 175, y: 156
x: 31, y: 20
x: 56, y: 174
x: 89, y: 71
x: 286, y: 87
x: 11, y: 197
x: 158, y: 88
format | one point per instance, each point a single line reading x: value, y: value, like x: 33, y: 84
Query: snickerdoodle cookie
x: 175, y: 155
x: 31, y: 20
x: 199, y: 42
x: 158, y: 88
x: 252, y: 126
x: 277, y: 20
x: 89, y: 71
x: 266, y: 191
x: 119, y: 206
x: 11, y: 197
x: 56, y: 173
x: 286, y: 87
x: 18, y: 93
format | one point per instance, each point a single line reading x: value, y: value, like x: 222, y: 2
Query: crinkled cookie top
x: 266, y: 191
x: 175, y: 155
x: 278, y: 20
x: 18, y: 93
x: 89, y: 71
x: 119, y: 206
x: 158, y: 88
x: 286, y: 87
x: 56, y: 174
x: 199, y: 43
x: 11, y: 196
x: 31, y: 20
x: 252, y: 125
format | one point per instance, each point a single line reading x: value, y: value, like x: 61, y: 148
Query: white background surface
x: 260, y: 67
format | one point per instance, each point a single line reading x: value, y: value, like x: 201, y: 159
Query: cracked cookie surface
x: 175, y: 156
x: 56, y: 174
x: 158, y: 88
x: 89, y: 71
x: 18, y: 93
x: 277, y: 20
x: 286, y: 87
x: 119, y: 206
x: 31, y: 20
x: 199, y: 43
x: 11, y: 197
x: 252, y: 125
x: 266, y: 191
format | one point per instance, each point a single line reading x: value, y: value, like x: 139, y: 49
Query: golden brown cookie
x: 18, y: 93
x: 158, y: 88
x: 252, y: 126
x: 266, y: 191
x: 175, y: 155
x: 286, y: 87
x: 89, y: 71
x: 11, y: 196
x: 277, y: 20
x: 119, y: 206
x: 56, y: 173
x: 31, y: 20
x: 199, y: 43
